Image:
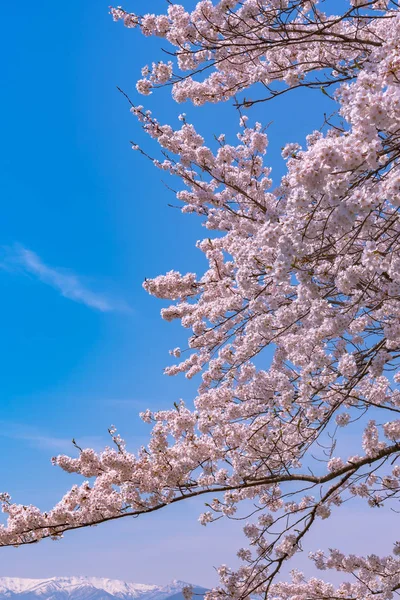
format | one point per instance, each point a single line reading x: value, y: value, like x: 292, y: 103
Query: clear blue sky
x: 84, y: 220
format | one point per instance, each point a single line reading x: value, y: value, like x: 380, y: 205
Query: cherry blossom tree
x: 295, y: 324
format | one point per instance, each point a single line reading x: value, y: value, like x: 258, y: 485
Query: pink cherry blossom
x: 294, y: 323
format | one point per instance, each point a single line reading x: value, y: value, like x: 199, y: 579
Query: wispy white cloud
x: 42, y: 440
x: 69, y: 284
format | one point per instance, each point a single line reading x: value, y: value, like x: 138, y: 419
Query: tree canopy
x: 308, y: 267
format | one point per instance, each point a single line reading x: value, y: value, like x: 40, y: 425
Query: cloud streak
x: 65, y: 282
x: 36, y: 438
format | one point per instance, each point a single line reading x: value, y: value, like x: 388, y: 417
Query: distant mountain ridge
x: 88, y: 588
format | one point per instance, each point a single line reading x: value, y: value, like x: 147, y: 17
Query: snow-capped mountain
x: 88, y: 588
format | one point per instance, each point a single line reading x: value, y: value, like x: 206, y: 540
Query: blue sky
x: 84, y: 221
